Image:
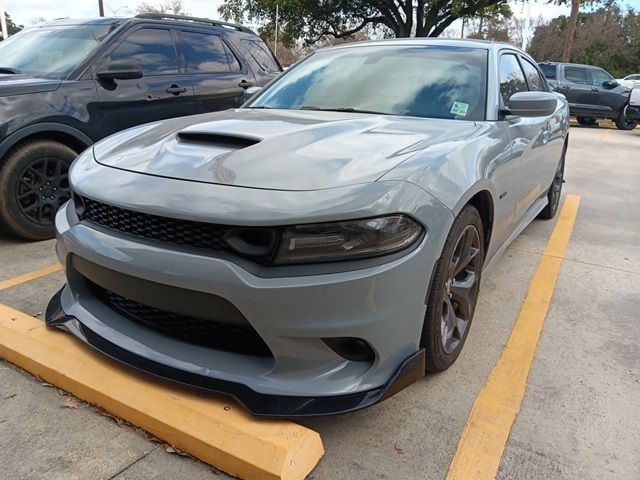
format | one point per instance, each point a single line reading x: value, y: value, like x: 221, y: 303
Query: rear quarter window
x: 261, y: 54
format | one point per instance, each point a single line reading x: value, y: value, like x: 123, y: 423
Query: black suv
x: 67, y: 84
x: 591, y: 91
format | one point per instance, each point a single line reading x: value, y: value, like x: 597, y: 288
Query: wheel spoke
x: 462, y: 293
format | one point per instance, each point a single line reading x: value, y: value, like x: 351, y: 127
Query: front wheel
x: 555, y: 190
x: 33, y: 185
x: 454, y: 291
x: 624, y: 123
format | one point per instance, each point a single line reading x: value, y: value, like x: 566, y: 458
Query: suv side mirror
x: 532, y: 104
x: 121, y: 70
x: 609, y: 84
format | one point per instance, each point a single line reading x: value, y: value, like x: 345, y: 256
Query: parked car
x: 629, y: 81
x: 592, y: 93
x: 68, y: 83
x: 315, y: 250
x: 633, y: 104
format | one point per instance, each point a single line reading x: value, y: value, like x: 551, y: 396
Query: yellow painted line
x: 27, y: 277
x: 606, y: 133
x: 216, y: 431
x: 487, y: 430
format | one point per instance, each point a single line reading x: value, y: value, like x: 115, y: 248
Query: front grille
x: 197, y: 331
x: 208, y: 238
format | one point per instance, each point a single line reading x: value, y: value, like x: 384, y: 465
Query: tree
x: 174, y: 7
x: 314, y: 20
x: 12, y: 28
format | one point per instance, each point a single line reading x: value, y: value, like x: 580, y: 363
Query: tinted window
x: 152, y: 48
x: 533, y: 77
x: 548, y: 70
x: 599, y: 76
x: 575, y: 74
x: 511, y: 77
x: 205, y: 53
x: 424, y: 81
x: 261, y: 54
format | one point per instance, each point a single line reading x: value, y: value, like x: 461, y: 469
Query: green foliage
x: 12, y: 28
x: 311, y: 21
x: 608, y: 38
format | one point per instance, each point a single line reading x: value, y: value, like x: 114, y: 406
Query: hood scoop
x: 220, y: 140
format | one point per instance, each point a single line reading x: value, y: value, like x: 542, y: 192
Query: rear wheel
x: 454, y: 291
x: 587, y: 121
x: 33, y: 186
x: 624, y: 123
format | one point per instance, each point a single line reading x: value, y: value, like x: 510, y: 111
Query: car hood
x: 18, y: 84
x: 276, y: 149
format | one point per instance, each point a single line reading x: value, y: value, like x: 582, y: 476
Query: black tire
x: 624, y: 123
x: 442, y: 351
x: 587, y: 121
x: 33, y: 185
x: 555, y: 189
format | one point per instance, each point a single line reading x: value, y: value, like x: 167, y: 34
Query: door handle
x: 566, y: 86
x: 244, y: 84
x: 595, y: 89
x: 176, y: 90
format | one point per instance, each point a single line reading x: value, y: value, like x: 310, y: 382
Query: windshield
x: 420, y: 81
x: 50, y: 52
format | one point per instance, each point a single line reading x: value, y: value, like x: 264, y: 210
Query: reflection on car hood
x: 18, y: 84
x: 277, y: 149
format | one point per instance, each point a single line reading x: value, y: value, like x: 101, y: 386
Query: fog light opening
x: 354, y: 349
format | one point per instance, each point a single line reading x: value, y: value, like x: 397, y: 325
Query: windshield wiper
x: 13, y: 71
x: 342, y: 109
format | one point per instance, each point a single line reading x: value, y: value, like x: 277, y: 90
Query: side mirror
x: 532, y: 104
x: 250, y: 92
x: 121, y: 70
x: 609, y: 84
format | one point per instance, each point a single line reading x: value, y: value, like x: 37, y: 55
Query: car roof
x: 448, y: 42
x: 570, y: 64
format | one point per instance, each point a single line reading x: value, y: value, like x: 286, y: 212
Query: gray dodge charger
x: 320, y: 248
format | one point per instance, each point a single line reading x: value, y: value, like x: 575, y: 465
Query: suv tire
x: 33, y: 186
x: 587, y: 121
x: 623, y: 123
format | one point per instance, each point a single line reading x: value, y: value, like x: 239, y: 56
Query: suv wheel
x: 454, y: 291
x: 587, y: 121
x: 624, y: 123
x: 33, y: 186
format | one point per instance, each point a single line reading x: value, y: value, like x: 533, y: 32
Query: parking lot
x: 579, y: 418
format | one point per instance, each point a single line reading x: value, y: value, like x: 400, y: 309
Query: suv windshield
x: 420, y: 81
x: 51, y: 52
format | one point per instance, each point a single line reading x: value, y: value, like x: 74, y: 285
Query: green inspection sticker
x: 460, y: 108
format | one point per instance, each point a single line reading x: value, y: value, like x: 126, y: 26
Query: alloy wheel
x: 43, y: 187
x: 461, y: 289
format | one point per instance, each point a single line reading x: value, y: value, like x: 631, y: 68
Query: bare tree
x: 170, y: 6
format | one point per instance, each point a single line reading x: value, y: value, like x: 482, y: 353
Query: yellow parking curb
x: 27, y: 277
x: 217, y: 432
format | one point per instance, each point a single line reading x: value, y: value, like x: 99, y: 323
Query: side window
x: 536, y: 84
x: 511, y: 77
x: 152, y: 48
x: 261, y: 54
x: 206, y: 53
x: 575, y: 74
x: 549, y: 70
x: 598, y: 76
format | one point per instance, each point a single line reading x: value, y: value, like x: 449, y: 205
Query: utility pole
x: 101, y: 8
x: 275, y: 46
x: 3, y: 21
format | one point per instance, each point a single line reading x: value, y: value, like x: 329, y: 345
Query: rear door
x: 164, y: 91
x: 575, y: 85
x: 219, y: 79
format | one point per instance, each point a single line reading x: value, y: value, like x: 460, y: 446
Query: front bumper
x: 632, y: 112
x: 409, y: 371
x: 382, y: 304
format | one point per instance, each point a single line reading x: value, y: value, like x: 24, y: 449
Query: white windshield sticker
x: 460, y: 108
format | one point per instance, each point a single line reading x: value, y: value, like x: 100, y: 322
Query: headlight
x: 327, y: 242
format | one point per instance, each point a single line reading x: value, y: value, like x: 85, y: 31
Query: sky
x: 24, y: 12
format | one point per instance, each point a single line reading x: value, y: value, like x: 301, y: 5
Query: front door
x: 575, y: 85
x: 164, y: 91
